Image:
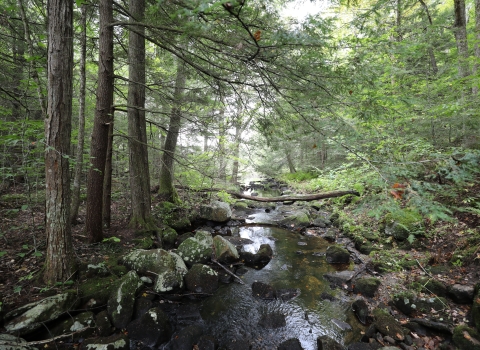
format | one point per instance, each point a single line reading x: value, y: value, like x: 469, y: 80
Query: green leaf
x: 3, y: 253
x: 24, y: 207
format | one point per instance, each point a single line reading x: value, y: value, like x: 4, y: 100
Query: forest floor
x: 22, y: 252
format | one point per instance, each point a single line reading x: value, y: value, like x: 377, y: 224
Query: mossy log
x: 310, y: 197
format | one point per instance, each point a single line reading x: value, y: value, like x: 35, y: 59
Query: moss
x: 367, y: 286
x: 466, y: 338
x: 98, y: 288
x: 143, y: 243
x: 169, y: 235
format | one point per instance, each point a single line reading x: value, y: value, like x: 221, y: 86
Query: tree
x: 102, y: 122
x: 60, y: 264
x: 137, y: 134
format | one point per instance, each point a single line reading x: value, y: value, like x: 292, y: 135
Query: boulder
x: 201, y: 279
x: 388, y: 325
x: 366, y: 286
x: 466, y: 338
x: 337, y: 255
x: 104, y: 326
x: 326, y: 343
x: 339, y: 278
x: 216, y: 211
x: 153, y: 328
x: 196, y: 249
x: 83, y: 325
x: 260, y: 259
x: 168, y: 236
x: 360, y: 309
x: 115, y: 342
x: 296, y: 220
x: 290, y: 344
x: 461, y: 294
x: 224, y: 250
x: 121, y: 303
x: 31, y: 317
x: 11, y: 342
x: 172, y: 279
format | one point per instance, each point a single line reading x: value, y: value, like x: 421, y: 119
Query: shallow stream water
x: 233, y: 314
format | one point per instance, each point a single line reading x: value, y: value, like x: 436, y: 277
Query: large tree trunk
x: 476, y: 67
x: 60, y: 263
x: 107, y: 181
x: 137, y: 127
x: 81, y: 118
x: 311, y: 197
x: 166, y: 189
x: 103, y: 118
x: 460, y: 29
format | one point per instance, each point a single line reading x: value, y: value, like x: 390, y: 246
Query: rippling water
x: 233, y: 313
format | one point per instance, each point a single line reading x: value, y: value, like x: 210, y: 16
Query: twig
x: 228, y: 271
x: 39, y: 342
x: 418, y: 262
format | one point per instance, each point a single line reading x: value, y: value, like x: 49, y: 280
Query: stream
x: 233, y: 314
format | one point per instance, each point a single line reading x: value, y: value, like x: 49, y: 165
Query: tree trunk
x: 166, y: 189
x: 81, y: 118
x: 103, y: 118
x: 60, y: 263
x: 431, y: 54
x: 306, y: 198
x: 476, y: 67
x: 107, y: 181
x: 137, y: 127
x: 222, y: 149
x: 460, y: 29
x: 291, y: 166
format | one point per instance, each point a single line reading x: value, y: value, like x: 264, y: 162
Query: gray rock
x: 82, y: 324
x: 196, y: 249
x: 224, y: 250
x: 297, y: 219
x: 201, y: 279
x: 461, y: 294
x: 216, y: 211
x: 360, y: 308
x: 121, y: 303
x: 326, y: 343
x: 31, y: 317
x: 104, y: 326
x: 344, y: 326
x: 337, y: 255
x: 366, y: 286
x: 11, y: 342
x: 153, y: 328
x: 114, y: 342
x: 339, y: 278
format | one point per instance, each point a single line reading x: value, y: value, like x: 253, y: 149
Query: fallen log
x: 310, y: 197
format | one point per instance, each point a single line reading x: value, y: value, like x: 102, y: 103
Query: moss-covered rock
x: 121, y: 302
x: 197, y: 249
x: 403, y: 223
x: 216, y: 211
x: 96, y: 291
x: 171, y: 279
x: 388, y: 325
x: 224, y: 250
x: 337, y: 255
x: 466, y: 338
x: 82, y: 325
x: 297, y: 219
x: 432, y: 286
x: 201, y: 279
x: 367, y: 286
x: 168, y: 236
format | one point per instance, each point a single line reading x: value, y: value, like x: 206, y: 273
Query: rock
x: 196, y: 249
x: 260, y: 259
x: 263, y: 291
x: 288, y: 293
x: 360, y: 346
x: 142, y: 305
x: 95, y: 270
x: 114, y: 342
x: 367, y: 286
x: 339, y: 278
x: 344, y: 326
x: 437, y: 326
x: 95, y: 291
x: 84, y: 321
x: 326, y: 343
x: 104, y: 327
x: 201, y: 279
x: 216, y: 211
x: 153, y: 328
x: 388, y: 325
x: 327, y: 296
x: 433, y: 286
x: 31, y: 317
x: 290, y: 344
x: 461, y: 294
x: 337, y: 255
x: 296, y: 220
x: 224, y: 250
x: 168, y: 236
x: 360, y: 308
x: 186, y: 338
x: 320, y: 222
x: 121, y: 302
x: 330, y: 235
x: 11, y: 342
x: 272, y: 320
x: 466, y: 338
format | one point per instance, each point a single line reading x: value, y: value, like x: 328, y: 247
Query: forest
x: 122, y: 120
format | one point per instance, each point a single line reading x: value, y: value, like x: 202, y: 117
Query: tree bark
x: 306, y: 198
x: 81, y: 118
x: 460, y: 30
x: 166, y: 189
x: 103, y: 118
x: 60, y: 263
x: 107, y: 181
x: 476, y: 66
x: 431, y: 54
x: 137, y: 127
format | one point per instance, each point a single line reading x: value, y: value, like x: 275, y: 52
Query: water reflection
x: 233, y: 313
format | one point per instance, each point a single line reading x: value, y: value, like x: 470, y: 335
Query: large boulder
x: 366, y: 286
x: 201, y: 279
x: 466, y: 338
x: 196, y: 249
x: 121, y: 302
x: 297, y: 220
x: 337, y: 255
x: 260, y: 259
x: 31, y: 317
x: 388, y: 325
x: 153, y: 328
x: 114, y: 342
x: 216, y: 211
x: 224, y: 250
x: 461, y: 294
x: 171, y: 279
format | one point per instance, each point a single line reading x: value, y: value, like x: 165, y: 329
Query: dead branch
x: 310, y: 197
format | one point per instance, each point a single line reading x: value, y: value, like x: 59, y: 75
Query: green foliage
x: 112, y: 239
x: 299, y: 176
